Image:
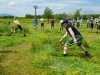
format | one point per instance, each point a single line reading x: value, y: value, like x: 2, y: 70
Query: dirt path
x: 18, y: 60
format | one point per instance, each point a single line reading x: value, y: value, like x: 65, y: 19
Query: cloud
x: 91, y: 10
x: 74, y: 1
x: 12, y: 3
x: 59, y: 8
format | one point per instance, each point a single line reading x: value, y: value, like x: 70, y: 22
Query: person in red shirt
x: 52, y: 24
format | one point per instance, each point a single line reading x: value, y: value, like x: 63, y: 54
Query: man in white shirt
x: 95, y: 21
x: 81, y: 22
x: 88, y: 21
x: 98, y: 25
x: 42, y: 23
x: 61, y: 26
x: 78, y: 23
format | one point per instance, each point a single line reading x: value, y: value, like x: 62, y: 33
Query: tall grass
x: 4, y: 29
x: 9, y: 42
x: 49, y: 58
x: 47, y: 55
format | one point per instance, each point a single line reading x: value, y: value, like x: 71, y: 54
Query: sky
x: 22, y: 7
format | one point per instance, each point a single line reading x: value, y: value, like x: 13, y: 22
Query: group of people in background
x: 93, y: 22
x: 78, y: 23
x: 35, y: 23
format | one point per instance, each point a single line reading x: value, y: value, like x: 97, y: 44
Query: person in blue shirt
x: 35, y: 23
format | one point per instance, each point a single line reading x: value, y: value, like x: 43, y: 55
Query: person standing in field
x: 70, y: 20
x: 52, y: 24
x: 76, y: 37
x: 91, y: 25
x: 42, y: 23
x: 8, y: 22
x: 88, y: 21
x: 78, y: 23
x: 98, y: 25
x: 95, y: 22
x: 81, y: 22
x: 35, y: 23
x: 73, y: 22
x: 16, y: 26
x: 61, y: 26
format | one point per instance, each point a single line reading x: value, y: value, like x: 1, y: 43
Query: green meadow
x: 38, y: 53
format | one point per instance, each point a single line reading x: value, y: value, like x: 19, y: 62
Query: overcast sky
x: 22, y: 7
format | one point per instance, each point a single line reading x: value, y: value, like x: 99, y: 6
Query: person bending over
x: 75, y: 37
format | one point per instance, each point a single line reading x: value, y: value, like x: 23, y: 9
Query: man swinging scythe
x: 76, y: 37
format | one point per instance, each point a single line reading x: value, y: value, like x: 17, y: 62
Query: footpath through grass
x: 37, y: 54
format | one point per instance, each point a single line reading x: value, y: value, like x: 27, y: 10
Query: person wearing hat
x: 76, y: 37
x: 91, y: 24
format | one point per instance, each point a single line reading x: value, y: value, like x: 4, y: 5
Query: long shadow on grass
x: 82, y: 55
x: 8, y: 51
x: 85, y: 57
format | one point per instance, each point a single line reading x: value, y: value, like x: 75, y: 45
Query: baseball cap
x: 65, y: 21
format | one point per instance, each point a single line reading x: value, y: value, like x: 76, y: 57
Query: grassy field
x: 37, y: 54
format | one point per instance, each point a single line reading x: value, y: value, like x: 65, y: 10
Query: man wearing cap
x: 91, y: 25
x: 75, y: 37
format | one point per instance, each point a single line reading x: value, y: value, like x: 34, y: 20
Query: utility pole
x: 35, y: 7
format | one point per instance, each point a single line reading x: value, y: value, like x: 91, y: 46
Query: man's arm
x: 65, y: 35
x: 72, y: 34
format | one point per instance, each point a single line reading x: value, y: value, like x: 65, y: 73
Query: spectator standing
x: 35, y: 23
x: 42, y: 23
x: 52, y: 24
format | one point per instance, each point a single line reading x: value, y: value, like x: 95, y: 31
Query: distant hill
x: 5, y: 14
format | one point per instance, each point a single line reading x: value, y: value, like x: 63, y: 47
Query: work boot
x: 24, y: 35
x: 64, y: 55
x: 87, y: 53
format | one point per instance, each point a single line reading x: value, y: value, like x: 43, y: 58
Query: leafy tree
x: 48, y: 13
x: 29, y: 16
x: 63, y: 15
x: 59, y: 16
x: 85, y: 16
x: 77, y: 14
